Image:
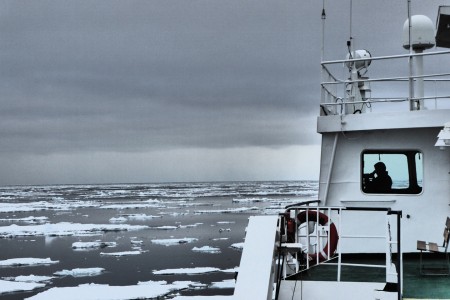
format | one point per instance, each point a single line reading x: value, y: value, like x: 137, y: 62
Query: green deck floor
x: 415, y: 285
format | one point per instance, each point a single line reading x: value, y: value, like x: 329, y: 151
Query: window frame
x: 413, y: 184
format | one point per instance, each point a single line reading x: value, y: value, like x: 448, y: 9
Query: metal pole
x: 411, y: 71
x: 399, y: 256
x: 339, y: 246
x: 388, y: 252
x: 420, y: 87
x: 322, y: 54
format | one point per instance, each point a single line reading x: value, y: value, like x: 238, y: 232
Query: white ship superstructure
x: 384, y: 190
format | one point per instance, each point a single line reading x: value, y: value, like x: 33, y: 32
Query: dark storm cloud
x: 80, y: 75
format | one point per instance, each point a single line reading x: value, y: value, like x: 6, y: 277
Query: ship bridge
x: 398, y: 94
x: 387, y: 111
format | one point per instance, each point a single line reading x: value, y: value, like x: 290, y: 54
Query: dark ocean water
x: 211, y: 215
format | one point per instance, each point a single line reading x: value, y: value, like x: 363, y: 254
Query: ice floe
x: 166, y: 227
x: 225, y: 284
x: 123, y: 253
x: 238, y: 246
x: 64, y: 229
x: 26, y: 261
x: 143, y: 290
x: 31, y: 278
x: 118, y: 220
x: 172, y: 242
x: 247, y: 200
x: 220, y: 239
x: 15, y: 286
x: 30, y: 219
x: 139, y: 217
x: 80, y: 272
x: 44, y: 205
x: 206, y: 249
x: 232, y: 270
x: 187, y: 271
x: 133, y: 206
x: 137, y: 242
x: 92, y: 245
x: 194, y: 271
x: 227, y: 211
x: 174, y: 214
x: 190, y: 225
x: 126, y: 203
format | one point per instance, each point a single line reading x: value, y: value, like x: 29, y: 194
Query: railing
x: 325, y: 231
x: 386, y: 89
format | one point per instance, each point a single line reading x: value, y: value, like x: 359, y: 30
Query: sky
x: 111, y: 91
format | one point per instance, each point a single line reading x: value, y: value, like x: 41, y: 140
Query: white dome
x: 359, y: 54
x: 422, y: 33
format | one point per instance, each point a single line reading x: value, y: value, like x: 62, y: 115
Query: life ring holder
x: 323, y: 220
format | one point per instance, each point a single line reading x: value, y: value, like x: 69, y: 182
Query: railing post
x: 388, y: 248
x: 339, y: 246
x: 318, y: 238
x: 399, y: 256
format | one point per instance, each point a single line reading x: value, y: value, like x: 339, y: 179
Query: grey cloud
x: 137, y: 76
x: 150, y: 74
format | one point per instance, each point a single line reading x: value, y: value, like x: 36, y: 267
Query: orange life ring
x: 323, y: 220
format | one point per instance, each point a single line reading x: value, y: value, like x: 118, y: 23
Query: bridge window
x: 391, y: 172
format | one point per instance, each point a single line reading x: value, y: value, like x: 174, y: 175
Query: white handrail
x: 333, y: 97
x: 343, y: 236
x: 341, y: 61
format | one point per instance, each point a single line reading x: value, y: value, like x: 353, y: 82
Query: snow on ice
x: 123, y: 253
x: 206, y: 249
x: 228, y: 210
x: 80, y: 272
x: 30, y: 220
x: 27, y: 261
x: 64, y: 229
x: 44, y: 205
x: 238, y: 246
x: 31, y: 278
x: 187, y: 271
x: 226, y: 284
x: 13, y: 286
x: 143, y: 290
x: 133, y: 206
x: 92, y: 245
x: 172, y: 242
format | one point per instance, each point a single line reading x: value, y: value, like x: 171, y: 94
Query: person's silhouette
x: 380, y: 181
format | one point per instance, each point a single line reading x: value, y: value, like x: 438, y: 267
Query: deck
x: 415, y: 285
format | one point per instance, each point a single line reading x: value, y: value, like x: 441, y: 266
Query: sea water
x: 173, y: 238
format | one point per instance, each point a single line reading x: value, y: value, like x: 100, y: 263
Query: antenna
x: 351, y: 18
x: 323, y: 95
x: 323, y: 17
x: 350, y: 43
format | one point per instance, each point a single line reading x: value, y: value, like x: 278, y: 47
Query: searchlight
x: 443, y: 140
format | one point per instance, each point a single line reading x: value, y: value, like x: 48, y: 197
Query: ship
x: 380, y: 226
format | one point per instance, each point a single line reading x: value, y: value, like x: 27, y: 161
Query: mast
x: 410, y: 61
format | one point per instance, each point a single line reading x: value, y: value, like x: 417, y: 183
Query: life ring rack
x: 323, y: 220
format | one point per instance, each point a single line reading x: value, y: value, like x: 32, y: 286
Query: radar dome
x: 422, y: 33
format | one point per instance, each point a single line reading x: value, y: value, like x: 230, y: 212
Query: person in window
x: 380, y: 181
